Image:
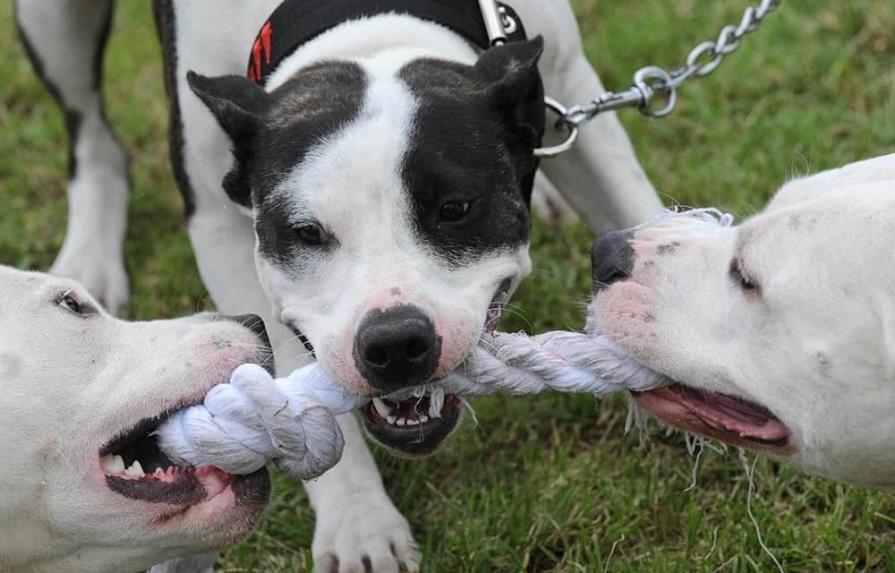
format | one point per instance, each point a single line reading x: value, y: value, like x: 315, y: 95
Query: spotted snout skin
x: 638, y: 274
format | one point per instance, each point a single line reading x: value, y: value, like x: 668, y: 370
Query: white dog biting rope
x: 256, y: 418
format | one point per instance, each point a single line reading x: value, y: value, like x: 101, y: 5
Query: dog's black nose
x: 612, y: 258
x: 397, y: 348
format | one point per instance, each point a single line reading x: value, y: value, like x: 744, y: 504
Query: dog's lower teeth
x: 402, y: 422
x: 382, y: 408
x: 423, y: 419
x: 391, y: 420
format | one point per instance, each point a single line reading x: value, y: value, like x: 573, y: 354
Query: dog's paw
x: 103, y: 276
x: 363, y: 534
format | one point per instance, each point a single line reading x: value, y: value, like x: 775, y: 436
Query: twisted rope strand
x: 558, y: 361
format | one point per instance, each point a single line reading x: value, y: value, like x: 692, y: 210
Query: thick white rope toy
x: 256, y: 418
x: 291, y: 420
x: 555, y: 361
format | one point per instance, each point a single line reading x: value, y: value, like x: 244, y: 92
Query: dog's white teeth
x: 423, y: 419
x: 391, y: 420
x: 436, y: 402
x: 412, y: 422
x: 402, y: 421
x: 136, y: 470
x: 113, y: 464
x: 382, y: 408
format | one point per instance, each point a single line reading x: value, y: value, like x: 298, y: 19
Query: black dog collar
x: 296, y: 22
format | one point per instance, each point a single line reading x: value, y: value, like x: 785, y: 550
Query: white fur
x: 817, y: 347
x: 70, y: 385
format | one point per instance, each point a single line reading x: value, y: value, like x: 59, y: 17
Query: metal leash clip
x: 499, y: 25
x: 562, y: 122
x: 653, y: 81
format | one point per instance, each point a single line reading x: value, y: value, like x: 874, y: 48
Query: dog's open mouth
x: 414, y: 426
x: 416, y: 422
x: 135, y: 467
x: 727, y: 418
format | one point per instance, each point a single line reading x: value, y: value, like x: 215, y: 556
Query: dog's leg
x: 223, y: 239
x: 548, y: 202
x: 356, y: 520
x: 601, y: 177
x: 65, y: 41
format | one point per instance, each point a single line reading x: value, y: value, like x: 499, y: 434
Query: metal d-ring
x: 566, y: 145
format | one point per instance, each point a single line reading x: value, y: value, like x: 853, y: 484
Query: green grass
x: 547, y: 484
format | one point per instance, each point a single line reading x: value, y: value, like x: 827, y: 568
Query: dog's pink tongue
x: 731, y: 414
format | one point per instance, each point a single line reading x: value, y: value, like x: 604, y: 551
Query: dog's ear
x: 235, y: 101
x: 239, y: 105
x: 513, y: 86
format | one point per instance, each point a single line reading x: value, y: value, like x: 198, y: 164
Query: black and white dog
x: 370, y: 191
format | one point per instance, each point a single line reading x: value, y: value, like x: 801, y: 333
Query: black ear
x: 239, y: 105
x: 236, y: 102
x: 513, y: 86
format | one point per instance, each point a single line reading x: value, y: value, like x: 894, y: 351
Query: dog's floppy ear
x: 513, y: 86
x: 239, y: 105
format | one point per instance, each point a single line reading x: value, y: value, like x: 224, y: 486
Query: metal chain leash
x: 653, y: 81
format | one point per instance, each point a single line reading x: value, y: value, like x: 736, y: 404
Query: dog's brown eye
x: 453, y: 211
x: 311, y: 235
x: 743, y: 280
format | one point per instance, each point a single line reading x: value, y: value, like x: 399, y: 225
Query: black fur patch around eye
x: 462, y: 149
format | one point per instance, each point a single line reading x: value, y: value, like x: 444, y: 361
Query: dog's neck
x: 390, y: 40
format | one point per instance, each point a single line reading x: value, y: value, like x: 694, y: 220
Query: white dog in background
x: 83, y: 488
x: 780, y: 332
